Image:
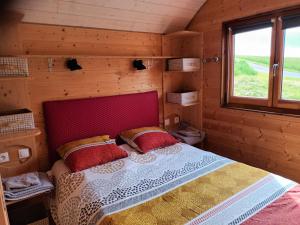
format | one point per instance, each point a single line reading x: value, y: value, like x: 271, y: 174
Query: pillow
x: 146, y: 139
x: 85, y: 153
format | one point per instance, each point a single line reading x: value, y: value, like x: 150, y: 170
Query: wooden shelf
x: 15, y: 78
x: 183, y: 33
x: 8, y: 203
x: 97, y: 56
x: 19, y: 135
x: 184, y: 105
x: 182, y: 71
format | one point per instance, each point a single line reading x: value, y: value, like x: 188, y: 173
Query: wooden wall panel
x: 99, y: 76
x: 271, y: 142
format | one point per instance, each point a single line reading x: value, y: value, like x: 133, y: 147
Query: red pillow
x: 146, y: 139
x: 85, y: 153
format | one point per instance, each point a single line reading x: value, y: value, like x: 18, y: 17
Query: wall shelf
x: 14, y: 78
x: 183, y: 34
x: 183, y: 44
x: 96, y: 56
x: 181, y: 71
x: 19, y: 135
x: 40, y: 195
x: 184, y: 105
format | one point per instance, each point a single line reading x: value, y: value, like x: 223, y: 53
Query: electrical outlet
x: 4, y: 157
x: 167, y: 122
x: 24, y: 153
x: 176, y: 119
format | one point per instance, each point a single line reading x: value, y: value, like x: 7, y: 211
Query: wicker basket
x: 17, y: 120
x: 13, y: 67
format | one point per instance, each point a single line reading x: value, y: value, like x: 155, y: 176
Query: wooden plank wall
x: 99, y: 77
x: 271, y: 142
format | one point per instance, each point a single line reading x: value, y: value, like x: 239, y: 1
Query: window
x: 291, y: 64
x: 262, y: 62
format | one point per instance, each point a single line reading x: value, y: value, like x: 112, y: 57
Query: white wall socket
x: 167, y: 122
x: 4, y: 157
x: 176, y: 119
x: 24, y: 153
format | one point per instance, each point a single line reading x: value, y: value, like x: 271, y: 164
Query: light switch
x: 4, y: 157
x: 176, y: 119
x: 167, y: 122
x: 24, y: 153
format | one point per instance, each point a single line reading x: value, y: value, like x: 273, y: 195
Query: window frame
x: 278, y: 79
x: 274, y: 103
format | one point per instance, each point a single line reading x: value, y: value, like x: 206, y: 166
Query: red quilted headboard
x: 69, y: 120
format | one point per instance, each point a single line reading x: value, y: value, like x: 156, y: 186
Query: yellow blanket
x: 186, y: 202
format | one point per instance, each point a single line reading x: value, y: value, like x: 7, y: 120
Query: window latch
x: 275, y: 68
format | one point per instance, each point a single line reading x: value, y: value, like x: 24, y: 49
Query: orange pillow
x: 146, y: 139
x: 85, y: 153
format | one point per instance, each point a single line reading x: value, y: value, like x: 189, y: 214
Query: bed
x: 179, y: 184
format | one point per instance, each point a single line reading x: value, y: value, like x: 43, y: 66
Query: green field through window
x: 251, y: 79
x: 291, y: 66
x: 251, y: 73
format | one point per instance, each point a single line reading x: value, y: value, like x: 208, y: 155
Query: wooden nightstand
x: 31, y: 209
x: 20, y: 153
x: 3, y: 212
x: 26, y: 211
x: 11, y: 144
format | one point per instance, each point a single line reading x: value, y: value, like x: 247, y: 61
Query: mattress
x: 179, y: 184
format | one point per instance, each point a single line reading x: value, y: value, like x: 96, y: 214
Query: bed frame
x: 69, y: 120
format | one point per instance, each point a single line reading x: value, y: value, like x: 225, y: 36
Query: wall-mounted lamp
x: 72, y: 64
x: 138, y: 64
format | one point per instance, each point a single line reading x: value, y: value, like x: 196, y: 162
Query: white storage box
x: 184, y: 64
x: 17, y: 120
x: 183, y: 98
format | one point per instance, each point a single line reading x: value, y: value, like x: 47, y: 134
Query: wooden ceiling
x: 156, y: 16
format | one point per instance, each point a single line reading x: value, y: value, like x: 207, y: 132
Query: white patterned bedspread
x: 96, y: 195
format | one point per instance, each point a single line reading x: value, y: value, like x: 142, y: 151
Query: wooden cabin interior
x: 245, y: 110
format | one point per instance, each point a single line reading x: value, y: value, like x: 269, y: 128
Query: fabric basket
x: 15, y: 121
x: 13, y: 67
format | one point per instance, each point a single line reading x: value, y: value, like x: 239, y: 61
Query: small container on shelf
x: 183, y: 98
x: 184, y: 64
x: 16, y: 121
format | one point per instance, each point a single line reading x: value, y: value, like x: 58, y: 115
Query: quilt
x: 179, y: 184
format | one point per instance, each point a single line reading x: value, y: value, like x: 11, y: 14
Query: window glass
x: 291, y: 65
x: 252, y: 52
